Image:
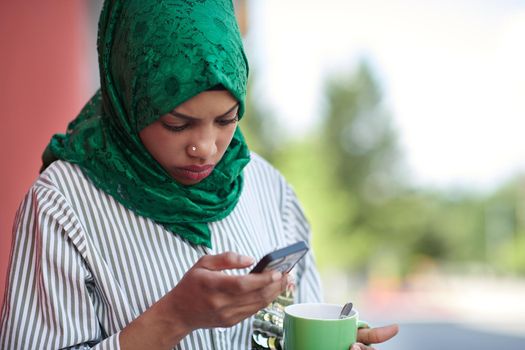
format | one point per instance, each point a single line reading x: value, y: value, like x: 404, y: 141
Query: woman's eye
x: 174, y: 128
x: 224, y: 122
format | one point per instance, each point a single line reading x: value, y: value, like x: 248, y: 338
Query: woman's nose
x: 203, y: 145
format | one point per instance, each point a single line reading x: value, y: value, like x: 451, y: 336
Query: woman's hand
x: 374, y: 336
x: 205, y: 297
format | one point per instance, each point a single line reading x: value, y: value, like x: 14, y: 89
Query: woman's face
x: 190, y: 140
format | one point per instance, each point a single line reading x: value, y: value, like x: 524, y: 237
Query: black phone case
x: 279, y: 257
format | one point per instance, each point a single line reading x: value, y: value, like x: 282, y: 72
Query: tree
x: 359, y: 137
x: 257, y: 124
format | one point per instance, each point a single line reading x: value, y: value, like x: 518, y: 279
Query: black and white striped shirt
x: 83, y: 266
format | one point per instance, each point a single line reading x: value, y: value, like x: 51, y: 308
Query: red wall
x: 42, y: 86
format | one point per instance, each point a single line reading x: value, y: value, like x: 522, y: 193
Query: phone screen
x: 283, y: 259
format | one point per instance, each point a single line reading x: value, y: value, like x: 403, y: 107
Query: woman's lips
x: 195, y: 172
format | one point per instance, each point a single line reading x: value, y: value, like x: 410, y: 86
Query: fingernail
x: 276, y: 276
x: 355, y: 347
x: 243, y: 259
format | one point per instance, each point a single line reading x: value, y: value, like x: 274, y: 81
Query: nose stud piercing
x: 193, y: 148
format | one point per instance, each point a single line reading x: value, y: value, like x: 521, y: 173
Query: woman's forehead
x: 208, y: 103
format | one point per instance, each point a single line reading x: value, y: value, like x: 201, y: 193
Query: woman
x: 126, y: 240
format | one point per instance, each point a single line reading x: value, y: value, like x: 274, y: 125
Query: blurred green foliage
x: 366, y: 216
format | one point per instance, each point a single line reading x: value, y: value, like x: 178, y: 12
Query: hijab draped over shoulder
x: 154, y: 55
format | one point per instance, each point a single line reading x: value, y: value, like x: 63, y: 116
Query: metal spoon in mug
x: 346, y: 310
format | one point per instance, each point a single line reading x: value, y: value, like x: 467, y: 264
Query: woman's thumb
x: 224, y: 261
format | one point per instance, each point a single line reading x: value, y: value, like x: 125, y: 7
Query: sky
x: 451, y: 72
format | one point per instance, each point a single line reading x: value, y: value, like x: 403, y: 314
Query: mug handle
x: 362, y: 324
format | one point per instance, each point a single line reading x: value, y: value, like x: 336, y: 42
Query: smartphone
x: 283, y: 259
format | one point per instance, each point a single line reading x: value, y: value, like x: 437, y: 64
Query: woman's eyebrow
x: 188, y: 117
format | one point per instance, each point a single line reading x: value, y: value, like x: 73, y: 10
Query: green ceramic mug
x: 317, y: 326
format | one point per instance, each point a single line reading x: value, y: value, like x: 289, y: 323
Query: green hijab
x: 154, y: 55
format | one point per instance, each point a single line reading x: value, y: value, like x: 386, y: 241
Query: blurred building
x: 42, y: 85
x: 48, y: 70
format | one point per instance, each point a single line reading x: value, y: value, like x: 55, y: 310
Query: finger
x: 377, y: 335
x: 247, y: 305
x: 233, y: 315
x: 236, y: 309
x: 236, y: 285
x: 285, y: 280
x: 224, y: 261
x: 359, y: 346
x: 255, y: 302
x: 261, y: 297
